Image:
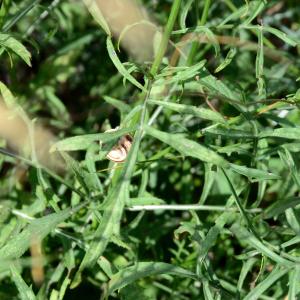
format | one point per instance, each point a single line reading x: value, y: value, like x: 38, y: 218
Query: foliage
x: 215, y: 141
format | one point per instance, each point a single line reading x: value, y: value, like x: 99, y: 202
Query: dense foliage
x: 215, y: 123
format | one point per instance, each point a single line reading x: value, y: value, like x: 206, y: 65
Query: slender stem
x: 132, y: 158
x: 205, y: 12
x: 195, y: 44
x: 197, y: 11
x: 240, y: 206
x: 230, y: 5
x: 188, y: 207
x: 165, y: 38
x: 192, y: 53
x: 159, y: 108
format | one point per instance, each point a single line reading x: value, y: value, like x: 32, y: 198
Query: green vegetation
x: 215, y: 122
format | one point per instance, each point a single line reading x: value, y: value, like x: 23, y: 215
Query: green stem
x: 188, y: 207
x: 131, y: 160
x: 205, y: 12
x: 165, y: 38
x: 230, y: 5
x: 240, y: 206
x: 195, y: 44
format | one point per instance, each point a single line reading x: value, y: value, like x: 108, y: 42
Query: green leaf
x: 109, y: 224
x: 82, y: 142
x: 276, y: 273
x: 280, y: 206
x: 192, y: 110
x: 114, y: 58
x: 64, y: 286
x: 21, y: 13
x: 14, y: 45
x: 288, y: 160
x: 228, y: 59
x: 286, y: 133
x: 211, y: 238
x: 254, y: 9
x: 184, y: 12
x: 93, y: 178
x: 259, y: 63
x: 209, y: 179
x: 254, y: 173
x: 130, y: 26
x: 106, y: 266
x: 115, y: 202
x: 182, y: 74
x: 80, y: 173
x: 210, y: 36
x: 229, y: 133
x: 294, y: 288
x: 57, y: 106
x: 292, y: 147
x: 247, y: 266
x: 283, y: 36
x: 244, y: 235
x: 120, y: 105
x: 237, y: 14
x: 37, y: 229
x: 143, y: 269
x: 8, y: 97
x: 293, y: 220
x: 188, y: 147
x: 211, y: 39
x: 213, y: 86
x: 95, y: 11
x: 207, y: 291
x: 24, y: 290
